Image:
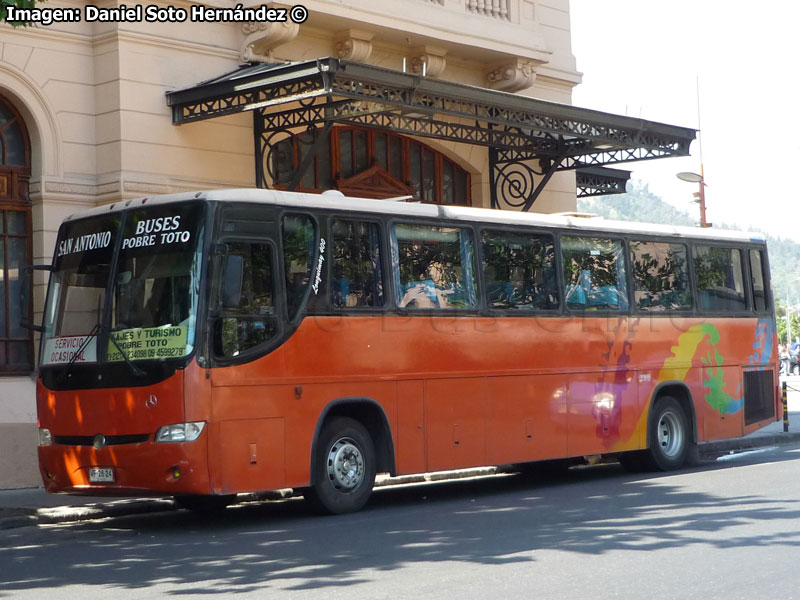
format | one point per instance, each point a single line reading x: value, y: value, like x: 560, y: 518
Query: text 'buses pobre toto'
x: 207, y: 344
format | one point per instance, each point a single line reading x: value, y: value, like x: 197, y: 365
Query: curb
x: 25, y: 517
x: 90, y: 512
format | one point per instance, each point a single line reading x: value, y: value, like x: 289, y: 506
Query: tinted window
x: 357, y: 276
x: 253, y: 320
x: 594, y: 273
x: 660, y: 276
x: 757, y: 270
x: 520, y: 270
x: 719, y: 278
x: 298, y: 254
x: 433, y: 267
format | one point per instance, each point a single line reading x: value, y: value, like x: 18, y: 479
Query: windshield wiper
x: 79, y: 351
x: 136, y: 370
x: 97, y: 329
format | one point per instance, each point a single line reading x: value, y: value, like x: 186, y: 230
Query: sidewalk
x: 34, y: 506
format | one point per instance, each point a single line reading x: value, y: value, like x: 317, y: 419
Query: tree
x: 4, y: 4
x: 794, y: 317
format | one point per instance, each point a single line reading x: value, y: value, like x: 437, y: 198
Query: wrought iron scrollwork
x: 514, y: 182
x: 279, y: 151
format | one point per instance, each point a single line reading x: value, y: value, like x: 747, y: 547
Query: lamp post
x: 700, y: 195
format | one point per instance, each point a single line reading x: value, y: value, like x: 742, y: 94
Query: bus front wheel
x: 344, y: 467
x: 670, y: 436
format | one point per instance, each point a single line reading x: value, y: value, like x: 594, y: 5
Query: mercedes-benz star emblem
x: 152, y: 401
x: 99, y: 441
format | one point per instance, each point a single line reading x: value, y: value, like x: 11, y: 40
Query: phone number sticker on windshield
x: 149, y: 343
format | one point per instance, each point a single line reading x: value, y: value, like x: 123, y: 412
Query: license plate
x: 101, y: 475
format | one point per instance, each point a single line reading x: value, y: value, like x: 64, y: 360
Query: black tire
x: 205, y: 504
x: 344, y: 467
x: 669, y: 434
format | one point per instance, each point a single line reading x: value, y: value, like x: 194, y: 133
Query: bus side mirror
x: 25, y: 298
x: 232, y: 275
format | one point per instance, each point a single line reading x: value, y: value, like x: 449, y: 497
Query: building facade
x: 89, y: 115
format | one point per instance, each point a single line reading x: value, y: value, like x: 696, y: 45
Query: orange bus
x: 207, y: 344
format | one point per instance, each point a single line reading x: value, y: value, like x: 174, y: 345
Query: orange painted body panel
x: 111, y: 411
x: 455, y: 422
x: 456, y: 392
x: 140, y: 468
x: 460, y: 392
x: 527, y: 418
x: 410, y: 438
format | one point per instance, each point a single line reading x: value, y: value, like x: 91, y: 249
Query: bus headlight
x: 180, y: 432
x: 45, y: 437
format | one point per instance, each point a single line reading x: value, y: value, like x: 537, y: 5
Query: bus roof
x: 335, y: 200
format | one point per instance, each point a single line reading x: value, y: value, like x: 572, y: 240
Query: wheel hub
x: 345, y: 465
x: 670, y: 434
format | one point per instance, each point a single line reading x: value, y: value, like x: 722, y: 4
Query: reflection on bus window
x: 253, y: 321
x: 433, y: 267
x: 153, y: 291
x: 660, y: 276
x: 357, y: 277
x: 719, y: 278
x: 757, y: 270
x: 594, y: 274
x: 157, y: 284
x: 298, y: 254
x: 77, y: 293
x: 520, y: 270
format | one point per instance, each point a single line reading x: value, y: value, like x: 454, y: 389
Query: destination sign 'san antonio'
x: 90, y: 241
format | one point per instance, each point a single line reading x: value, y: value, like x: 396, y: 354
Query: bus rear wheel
x: 344, y: 467
x: 670, y: 437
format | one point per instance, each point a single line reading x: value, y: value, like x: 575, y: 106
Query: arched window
x: 16, y: 343
x: 372, y: 163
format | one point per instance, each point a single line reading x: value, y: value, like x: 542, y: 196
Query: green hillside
x: 639, y: 204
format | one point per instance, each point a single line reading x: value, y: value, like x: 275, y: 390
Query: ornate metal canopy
x: 528, y: 140
x: 600, y: 181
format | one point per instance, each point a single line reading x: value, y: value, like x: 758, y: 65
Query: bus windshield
x: 142, y: 308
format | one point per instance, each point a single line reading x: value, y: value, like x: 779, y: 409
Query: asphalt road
x: 726, y: 530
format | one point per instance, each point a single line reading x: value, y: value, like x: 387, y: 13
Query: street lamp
x: 700, y: 195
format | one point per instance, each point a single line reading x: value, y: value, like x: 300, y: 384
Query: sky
x: 649, y: 58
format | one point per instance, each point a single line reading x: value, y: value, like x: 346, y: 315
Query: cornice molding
x: 513, y: 76
x: 354, y: 44
x: 428, y: 61
x: 261, y: 38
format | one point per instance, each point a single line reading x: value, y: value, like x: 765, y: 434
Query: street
x: 729, y: 529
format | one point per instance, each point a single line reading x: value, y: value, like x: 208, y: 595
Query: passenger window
x: 594, y: 274
x: 357, y: 274
x: 660, y: 276
x: 253, y: 321
x: 433, y: 267
x: 298, y: 255
x: 520, y: 270
x: 719, y: 278
x: 757, y: 270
